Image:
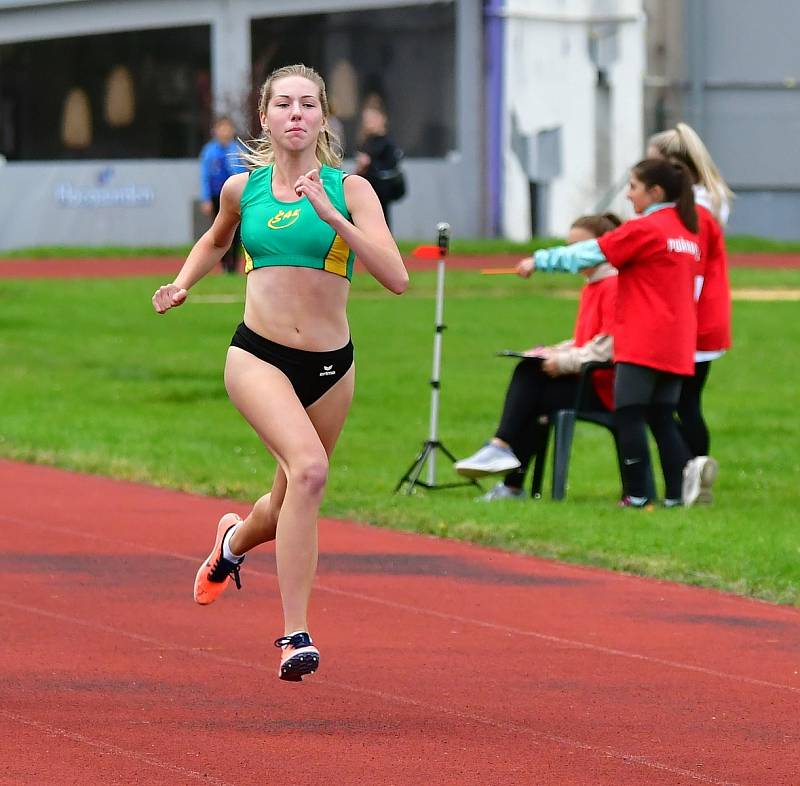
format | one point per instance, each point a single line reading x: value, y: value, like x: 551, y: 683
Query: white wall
x: 550, y: 82
x: 113, y: 203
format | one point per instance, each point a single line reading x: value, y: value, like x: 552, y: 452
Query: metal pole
x: 433, y: 432
x: 696, y: 41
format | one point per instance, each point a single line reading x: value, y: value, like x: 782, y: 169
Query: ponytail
x: 676, y: 181
x: 685, y: 201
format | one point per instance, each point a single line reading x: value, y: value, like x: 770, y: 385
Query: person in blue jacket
x: 219, y: 159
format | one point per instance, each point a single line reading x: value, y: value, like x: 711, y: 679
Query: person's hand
x: 525, y: 267
x: 167, y: 297
x: 206, y: 207
x: 310, y: 186
x: 537, y: 352
x: 550, y: 367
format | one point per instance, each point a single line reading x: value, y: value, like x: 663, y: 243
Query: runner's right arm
x: 208, y: 250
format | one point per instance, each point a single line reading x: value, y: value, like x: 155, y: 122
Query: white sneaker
x: 501, y: 491
x: 489, y: 460
x: 690, y: 488
x: 708, y: 474
x: 698, y: 477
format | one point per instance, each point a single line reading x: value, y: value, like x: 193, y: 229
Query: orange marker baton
x: 498, y: 271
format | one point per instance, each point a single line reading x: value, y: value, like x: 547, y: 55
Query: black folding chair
x: 563, y: 427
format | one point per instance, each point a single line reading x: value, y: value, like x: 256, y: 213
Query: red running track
x: 168, y: 266
x: 442, y: 663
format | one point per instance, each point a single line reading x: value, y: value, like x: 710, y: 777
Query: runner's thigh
x: 329, y: 412
x: 266, y: 399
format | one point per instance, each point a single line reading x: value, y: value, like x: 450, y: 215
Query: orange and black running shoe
x: 215, y: 573
x: 299, y: 657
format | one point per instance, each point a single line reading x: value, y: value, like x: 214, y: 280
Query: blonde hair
x: 684, y: 144
x: 259, y: 152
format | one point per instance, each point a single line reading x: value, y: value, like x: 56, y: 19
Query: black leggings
x: 531, y: 395
x: 634, y: 453
x: 691, y: 423
x: 648, y: 397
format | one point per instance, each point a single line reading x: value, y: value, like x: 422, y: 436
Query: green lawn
x: 93, y: 380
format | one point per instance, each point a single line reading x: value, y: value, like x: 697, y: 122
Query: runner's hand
x: 310, y: 186
x: 167, y: 297
x: 525, y: 267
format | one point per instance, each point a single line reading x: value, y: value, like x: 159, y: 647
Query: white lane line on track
x: 393, y: 698
x: 440, y: 614
x: 56, y: 731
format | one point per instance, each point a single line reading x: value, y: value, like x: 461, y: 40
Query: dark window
x: 138, y: 94
x: 404, y: 56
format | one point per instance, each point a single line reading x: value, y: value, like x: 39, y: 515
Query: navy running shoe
x: 300, y: 657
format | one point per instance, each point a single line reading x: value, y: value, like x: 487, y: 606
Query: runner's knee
x: 309, y: 475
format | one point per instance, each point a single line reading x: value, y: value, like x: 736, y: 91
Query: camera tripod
x: 427, y: 456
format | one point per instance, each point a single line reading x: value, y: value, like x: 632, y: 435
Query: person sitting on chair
x: 547, y: 380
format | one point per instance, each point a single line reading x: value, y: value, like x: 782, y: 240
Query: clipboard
x: 513, y: 353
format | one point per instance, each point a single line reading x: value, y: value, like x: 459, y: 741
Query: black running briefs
x: 312, y: 374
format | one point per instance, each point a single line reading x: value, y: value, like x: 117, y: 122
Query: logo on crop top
x: 284, y: 218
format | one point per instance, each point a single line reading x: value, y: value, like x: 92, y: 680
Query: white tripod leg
x: 433, y: 433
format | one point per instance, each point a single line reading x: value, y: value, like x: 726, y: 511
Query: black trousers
x: 532, y: 395
x: 230, y: 260
x: 648, y: 397
x: 691, y: 422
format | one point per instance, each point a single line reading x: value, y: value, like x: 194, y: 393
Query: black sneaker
x: 300, y: 657
x: 642, y: 503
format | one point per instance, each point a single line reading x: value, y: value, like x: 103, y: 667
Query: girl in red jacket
x: 712, y: 197
x: 658, y: 258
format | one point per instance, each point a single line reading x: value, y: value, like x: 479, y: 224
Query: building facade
x: 515, y: 115
x: 571, y: 110
x: 731, y: 69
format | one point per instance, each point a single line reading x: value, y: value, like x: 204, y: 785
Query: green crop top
x: 291, y: 233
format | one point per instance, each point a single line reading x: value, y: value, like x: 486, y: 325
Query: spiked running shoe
x: 300, y: 657
x: 215, y: 573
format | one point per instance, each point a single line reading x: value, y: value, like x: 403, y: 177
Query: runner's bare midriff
x: 298, y: 307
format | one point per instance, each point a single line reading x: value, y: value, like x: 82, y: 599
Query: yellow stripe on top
x: 248, y: 261
x: 336, y: 258
x: 291, y: 234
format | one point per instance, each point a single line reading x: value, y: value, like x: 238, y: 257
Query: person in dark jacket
x: 378, y: 158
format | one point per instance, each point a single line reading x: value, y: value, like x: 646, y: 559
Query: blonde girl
x: 289, y: 369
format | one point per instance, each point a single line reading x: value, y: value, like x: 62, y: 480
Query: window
x: 405, y: 56
x: 138, y: 94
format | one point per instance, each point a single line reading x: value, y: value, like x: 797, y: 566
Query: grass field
x: 93, y: 380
